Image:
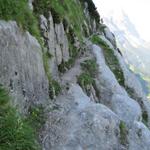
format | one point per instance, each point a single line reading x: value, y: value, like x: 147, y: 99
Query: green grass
x: 90, y: 66
x: 85, y: 79
x: 36, y: 117
x: 123, y: 133
x: 46, y: 59
x: 54, y: 89
x: 110, y: 59
x: 69, y: 10
x: 19, y: 11
x: 15, y: 132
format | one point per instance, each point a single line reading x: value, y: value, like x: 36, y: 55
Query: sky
x: 137, y: 10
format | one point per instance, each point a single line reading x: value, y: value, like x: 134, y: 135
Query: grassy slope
x: 16, y: 133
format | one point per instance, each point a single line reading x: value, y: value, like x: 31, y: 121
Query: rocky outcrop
x: 132, y: 85
x: 112, y: 94
x: 57, y: 43
x: 80, y: 124
x: 139, y: 137
x: 21, y: 67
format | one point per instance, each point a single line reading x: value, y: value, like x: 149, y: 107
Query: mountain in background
x: 134, y: 48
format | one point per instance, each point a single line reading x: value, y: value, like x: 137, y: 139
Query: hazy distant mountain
x: 134, y: 48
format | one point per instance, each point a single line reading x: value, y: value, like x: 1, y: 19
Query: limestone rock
x: 112, y: 94
x: 21, y: 66
x: 139, y: 137
x: 62, y: 41
x: 110, y: 36
x: 80, y: 124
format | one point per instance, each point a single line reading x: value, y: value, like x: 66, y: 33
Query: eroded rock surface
x: 21, y: 66
x: 80, y: 124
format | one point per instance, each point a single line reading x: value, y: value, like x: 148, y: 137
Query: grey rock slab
x: 21, y: 64
x: 112, y: 94
x: 80, y: 124
x: 139, y: 137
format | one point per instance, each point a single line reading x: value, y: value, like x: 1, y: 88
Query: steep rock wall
x: 22, y: 69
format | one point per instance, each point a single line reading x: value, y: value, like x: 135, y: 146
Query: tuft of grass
x: 46, y: 58
x: 19, y: 11
x: 54, y: 89
x: 123, y: 133
x: 90, y: 66
x: 85, y: 80
x: 15, y: 132
x: 111, y: 59
x: 36, y: 117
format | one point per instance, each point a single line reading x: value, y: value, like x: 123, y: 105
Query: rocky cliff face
x: 74, y: 70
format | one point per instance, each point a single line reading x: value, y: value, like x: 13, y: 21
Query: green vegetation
x: 46, y: 58
x: 54, y: 89
x: 145, y: 118
x: 43, y: 7
x: 36, y: 117
x: 110, y: 58
x: 73, y: 52
x: 19, y: 11
x: 131, y: 92
x: 68, y: 10
x: 123, y: 133
x: 16, y: 132
x: 86, y: 79
x: 92, y: 10
x: 64, y: 66
x: 90, y: 66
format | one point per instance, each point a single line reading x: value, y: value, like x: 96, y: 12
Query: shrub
x: 19, y: 11
x: 15, y: 132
